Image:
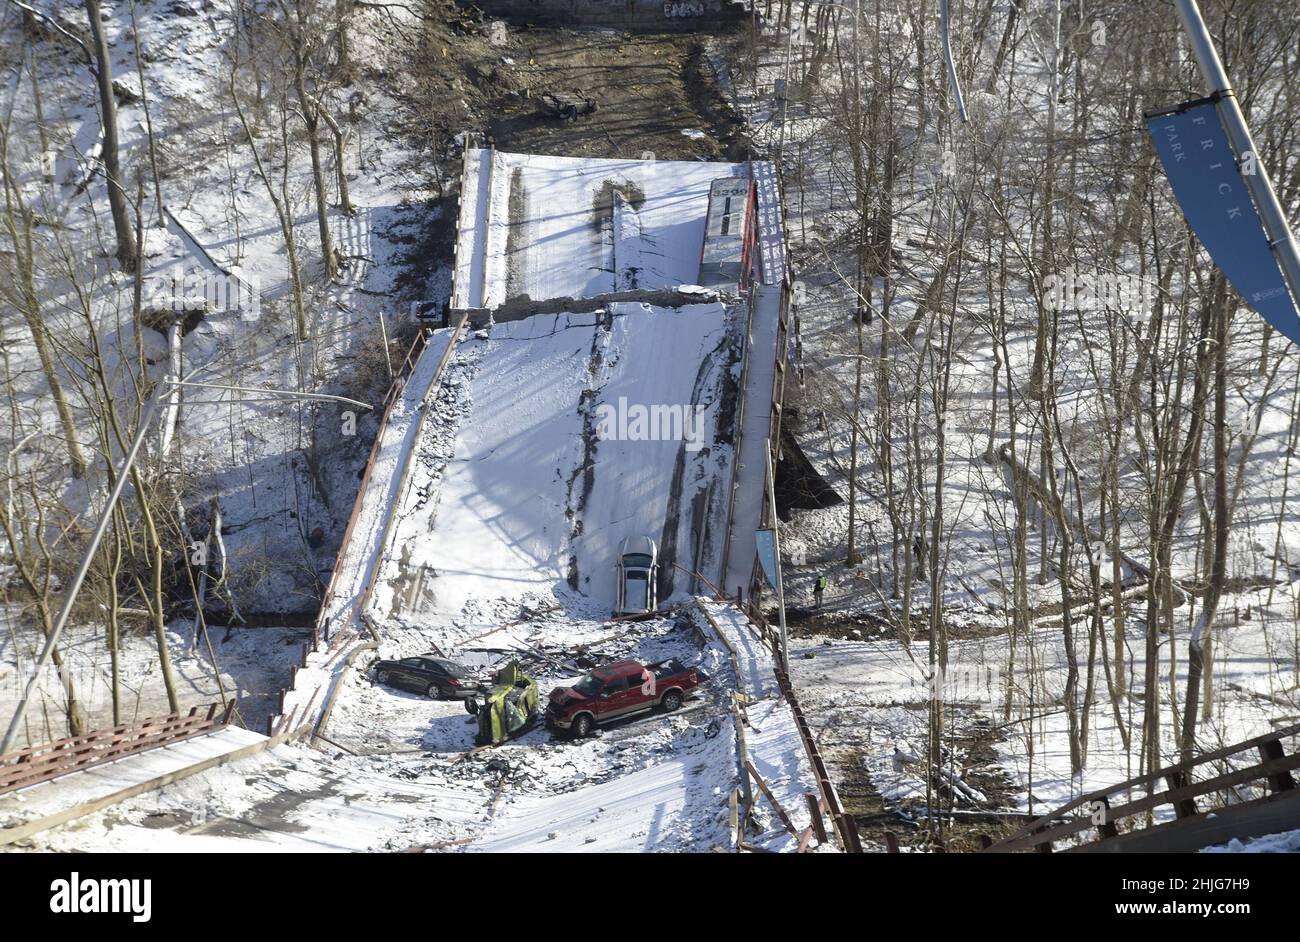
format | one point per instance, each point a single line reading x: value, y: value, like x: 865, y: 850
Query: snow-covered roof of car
x: 638, y: 544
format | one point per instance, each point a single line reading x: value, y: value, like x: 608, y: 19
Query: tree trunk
x: 1222, y: 524
x: 126, y: 247
x: 18, y: 226
x: 312, y: 120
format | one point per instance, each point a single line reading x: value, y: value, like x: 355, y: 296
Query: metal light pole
x: 1234, y: 123
x: 952, y: 66
x: 106, y: 516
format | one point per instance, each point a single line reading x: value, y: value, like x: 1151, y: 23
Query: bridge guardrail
x: 32, y: 765
x: 1105, y: 809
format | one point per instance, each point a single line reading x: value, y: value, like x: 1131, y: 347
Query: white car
x: 638, y: 572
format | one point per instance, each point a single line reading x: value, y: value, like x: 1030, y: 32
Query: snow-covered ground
x: 870, y: 697
x: 656, y: 783
x: 283, y: 471
x: 1288, y: 842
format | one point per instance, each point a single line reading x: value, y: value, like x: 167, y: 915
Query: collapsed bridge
x: 493, y: 504
x: 658, y: 284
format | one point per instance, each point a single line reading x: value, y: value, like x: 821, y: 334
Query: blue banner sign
x: 1207, y: 182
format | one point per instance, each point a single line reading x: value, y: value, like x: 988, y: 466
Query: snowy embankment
x: 284, y: 472
x: 872, y: 696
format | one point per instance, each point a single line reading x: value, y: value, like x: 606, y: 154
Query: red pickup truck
x: 618, y: 690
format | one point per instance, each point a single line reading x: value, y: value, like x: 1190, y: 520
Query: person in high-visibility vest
x: 819, y: 588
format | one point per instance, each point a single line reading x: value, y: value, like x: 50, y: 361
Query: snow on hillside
x: 284, y: 471
x: 875, y: 692
x: 243, y: 448
x: 864, y: 695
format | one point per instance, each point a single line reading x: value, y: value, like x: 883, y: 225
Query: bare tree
x: 19, y: 289
x: 127, y: 252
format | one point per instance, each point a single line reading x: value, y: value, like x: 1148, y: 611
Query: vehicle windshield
x: 452, y: 668
x: 637, y: 559
x: 636, y: 574
x: 587, y: 686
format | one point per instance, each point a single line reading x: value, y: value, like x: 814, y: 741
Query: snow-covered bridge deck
x: 537, y: 494
x: 545, y: 228
x: 48, y: 804
x: 561, y: 227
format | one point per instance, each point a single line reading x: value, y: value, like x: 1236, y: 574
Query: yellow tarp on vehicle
x: 508, y: 706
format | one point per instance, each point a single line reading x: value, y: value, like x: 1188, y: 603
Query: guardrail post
x: 733, y: 815
x: 1046, y: 846
x: 1107, y: 827
x: 1186, y: 807
x: 815, y: 813
x: 849, y: 828
x: 1278, y: 781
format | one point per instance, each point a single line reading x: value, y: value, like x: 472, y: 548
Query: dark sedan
x: 435, y: 677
